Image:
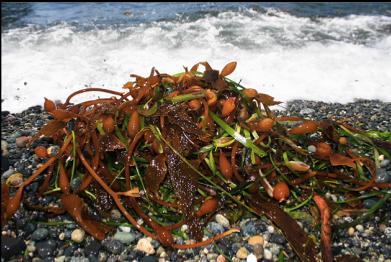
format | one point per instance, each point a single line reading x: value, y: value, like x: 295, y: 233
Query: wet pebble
x: 39, y: 234
x: 267, y: 254
x: 385, y: 163
x: 92, y: 247
x: 78, y: 235
x: 11, y: 246
x: 114, y: 246
x: 222, y: 220
x: 46, y: 248
x: 144, y: 245
x: 383, y: 176
x: 22, y: 141
x: 256, y: 240
x: 351, y: 231
x: 215, y: 228
x: 124, y: 238
x: 251, y: 258
x: 360, y: 228
x: 242, y: 253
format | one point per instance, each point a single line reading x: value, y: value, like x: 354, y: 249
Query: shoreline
x: 371, y: 240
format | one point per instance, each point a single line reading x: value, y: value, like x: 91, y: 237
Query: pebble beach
x: 33, y: 236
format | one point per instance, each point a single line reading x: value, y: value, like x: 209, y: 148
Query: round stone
x: 384, y: 163
x: 270, y: 229
x: 256, y: 240
x: 311, y: 149
x: 78, y: 235
x: 351, y: 231
x: 251, y: 258
x: 222, y: 220
x: 124, y: 238
x: 144, y: 245
x: 267, y: 254
x: 359, y: 228
x: 39, y: 234
x: 242, y: 253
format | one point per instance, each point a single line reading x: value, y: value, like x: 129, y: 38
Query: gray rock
x: 92, y: 247
x: 383, y: 176
x: 215, y: 227
x: 384, y: 163
x: 114, y: 246
x: 39, y: 234
x: 125, y: 238
x: 46, y: 248
x: 11, y: 246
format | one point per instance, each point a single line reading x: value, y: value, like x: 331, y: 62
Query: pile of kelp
x: 175, y: 149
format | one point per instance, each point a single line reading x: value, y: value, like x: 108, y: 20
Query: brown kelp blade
x: 297, y: 238
x: 74, y: 205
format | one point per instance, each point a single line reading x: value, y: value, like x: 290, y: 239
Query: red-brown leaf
x: 228, y: 69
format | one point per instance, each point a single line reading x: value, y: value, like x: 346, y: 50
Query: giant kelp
x: 174, y: 149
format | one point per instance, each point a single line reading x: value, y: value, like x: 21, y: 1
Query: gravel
x: 23, y: 238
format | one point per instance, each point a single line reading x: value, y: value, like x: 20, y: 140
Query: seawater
x: 320, y: 51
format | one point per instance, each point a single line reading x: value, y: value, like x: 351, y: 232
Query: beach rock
x: 215, y: 228
x: 251, y: 258
x: 242, y: 253
x: 385, y: 163
x: 267, y: 254
x: 11, y: 246
x: 124, y: 238
x: 114, y: 246
x: 222, y: 220
x: 149, y: 259
x: 22, y: 141
x: 46, y: 248
x: 256, y: 240
x: 144, y: 245
x: 307, y: 111
x: 78, y: 235
x: 92, y: 247
x: 39, y: 234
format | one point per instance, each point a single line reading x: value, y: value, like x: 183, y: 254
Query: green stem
x: 238, y: 137
x: 185, y: 97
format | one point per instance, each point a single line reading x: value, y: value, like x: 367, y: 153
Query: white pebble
x: 360, y: 228
x: 222, y: 220
x: 78, y: 235
x: 59, y: 259
x: 251, y: 258
x: 124, y: 229
x: 184, y: 228
x: 270, y: 229
x: 61, y: 236
x: 267, y: 254
x: 144, y: 245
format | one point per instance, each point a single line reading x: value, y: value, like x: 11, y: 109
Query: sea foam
x: 329, y: 59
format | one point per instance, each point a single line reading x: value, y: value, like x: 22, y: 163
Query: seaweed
x: 175, y: 149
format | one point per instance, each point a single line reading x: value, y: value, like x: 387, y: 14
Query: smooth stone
x: 258, y: 251
x: 220, y: 258
x: 46, y: 248
x: 59, y: 259
x: 78, y: 235
x: 251, y: 258
x: 8, y: 173
x: 359, y: 228
x: 125, y: 238
x: 125, y: 229
x: 382, y: 176
x: 384, y: 163
x: 114, y: 247
x: 116, y: 214
x: 22, y: 141
x: 351, y: 231
x: 39, y: 234
x: 144, y: 245
x: 215, y: 227
x: 242, y: 253
x: 222, y: 220
x: 4, y: 145
x: 92, y: 247
x: 256, y: 240
x: 270, y: 229
x: 311, y: 149
x: 11, y: 246
x: 277, y: 239
x: 267, y: 254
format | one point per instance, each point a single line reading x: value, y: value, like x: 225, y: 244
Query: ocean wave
x: 320, y: 58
